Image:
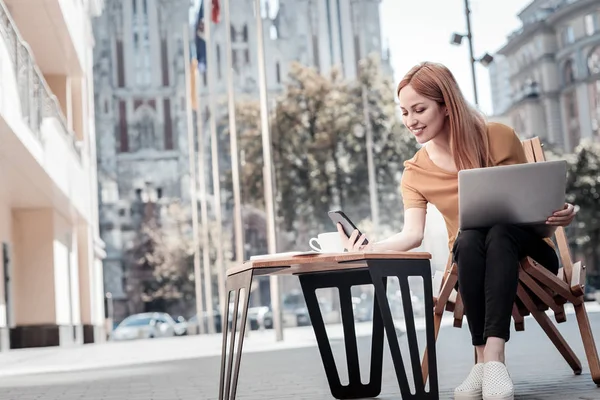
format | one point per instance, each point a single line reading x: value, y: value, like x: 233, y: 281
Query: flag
x: 216, y: 11
x: 199, y: 40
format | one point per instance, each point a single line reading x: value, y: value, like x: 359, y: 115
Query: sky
x: 420, y: 31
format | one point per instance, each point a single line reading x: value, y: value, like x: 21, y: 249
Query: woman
x: 455, y: 137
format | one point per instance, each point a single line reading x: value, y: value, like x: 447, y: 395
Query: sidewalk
x: 188, y: 368
x: 121, y: 354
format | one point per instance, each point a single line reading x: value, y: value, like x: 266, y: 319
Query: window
x: 568, y: 36
x: 141, y: 43
x: 218, y: 62
x: 591, y: 24
x: 572, y: 120
x: 143, y: 133
x: 233, y: 33
x: 571, y: 106
x: 594, y: 95
x: 594, y: 61
x: 109, y: 192
x: 568, y: 72
x: 234, y: 60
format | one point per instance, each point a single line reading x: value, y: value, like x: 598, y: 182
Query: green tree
x: 161, y: 260
x: 583, y: 190
x: 318, y: 130
x: 392, y: 145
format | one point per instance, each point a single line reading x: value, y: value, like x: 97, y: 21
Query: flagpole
x: 216, y: 175
x: 202, y: 184
x: 192, y: 172
x: 268, y: 166
x: 371, y: 171
x: 235, y: 171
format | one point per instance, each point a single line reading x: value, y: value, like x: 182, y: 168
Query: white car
x: 145, y: 326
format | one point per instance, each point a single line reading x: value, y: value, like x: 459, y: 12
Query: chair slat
x: 528, y: 151
x: 565, y: 254
x: 538, y: 151
x: 519, y: 320
x: 547, y: 278
x: 542, y: 295
x: 459, y: 311
x: 578, y: 279
x: 548, y: 327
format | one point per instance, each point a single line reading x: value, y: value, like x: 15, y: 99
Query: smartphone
x: 338, y: 216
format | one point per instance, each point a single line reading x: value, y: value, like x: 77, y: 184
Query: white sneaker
x: 470, y: 389
x: 497, y: 384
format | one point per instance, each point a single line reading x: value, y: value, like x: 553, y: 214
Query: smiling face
x: 424, y: 117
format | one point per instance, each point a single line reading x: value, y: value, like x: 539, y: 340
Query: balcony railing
x: 36, y: 99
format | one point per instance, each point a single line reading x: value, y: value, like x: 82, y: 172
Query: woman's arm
x: 409, y: 238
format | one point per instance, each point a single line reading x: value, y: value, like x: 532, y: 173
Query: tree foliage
x: 161, y: 258
x: 318, y: 129
x: 583, y: 190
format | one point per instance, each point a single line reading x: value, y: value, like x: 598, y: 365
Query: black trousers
x: 488, y: 265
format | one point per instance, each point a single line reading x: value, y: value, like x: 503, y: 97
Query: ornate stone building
x: 140, y: 94
x: 553, y: 69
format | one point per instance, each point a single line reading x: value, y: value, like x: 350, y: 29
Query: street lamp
x: 456, y: 40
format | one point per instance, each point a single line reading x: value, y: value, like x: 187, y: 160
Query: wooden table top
x: 286, y: 263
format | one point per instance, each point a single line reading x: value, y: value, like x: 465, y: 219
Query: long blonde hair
x: 469, y: 141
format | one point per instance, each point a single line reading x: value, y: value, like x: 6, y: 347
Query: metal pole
x: 471, y: 56
x: 370, y: 161
x: 192, y: 171
x: 235, y: 172
x: 268, y: 165
x: 216, y: 175
x: 202, y: 184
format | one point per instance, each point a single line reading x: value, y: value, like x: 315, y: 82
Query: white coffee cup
x: 328, y: 242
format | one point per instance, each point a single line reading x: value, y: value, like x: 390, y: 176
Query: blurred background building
x: 546, y: 78
x: 52, y: 290
x: 140, y: 101
x: 141, y: 124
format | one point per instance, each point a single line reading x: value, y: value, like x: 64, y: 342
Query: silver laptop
x: 521, y: 194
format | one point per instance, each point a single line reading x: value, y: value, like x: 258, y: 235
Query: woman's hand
x: 562, y: 217
x: 351, y: 243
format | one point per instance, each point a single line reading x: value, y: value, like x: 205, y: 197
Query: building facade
x: 141, y: 97
x: 553, y: 67
x: 52, y: 285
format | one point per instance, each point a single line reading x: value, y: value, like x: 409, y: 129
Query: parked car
x: 145, y: 326
x: 259, y: 317
x: 181, y: 326
x: 193, y: 325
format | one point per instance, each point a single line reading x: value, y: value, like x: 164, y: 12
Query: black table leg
x: 228, y: 381
x: 344, y: 280
x: 403, y: 269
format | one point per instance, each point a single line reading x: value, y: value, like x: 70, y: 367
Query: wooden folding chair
x: 538, y: 290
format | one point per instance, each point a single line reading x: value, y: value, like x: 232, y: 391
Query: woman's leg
x: 505, y: 246
x: 469, y: 254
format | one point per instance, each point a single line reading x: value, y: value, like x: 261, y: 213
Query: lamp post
x: 456, y: 40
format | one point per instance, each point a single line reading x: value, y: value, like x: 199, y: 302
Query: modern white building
x: 553, y: 67
x: 51, y: 290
